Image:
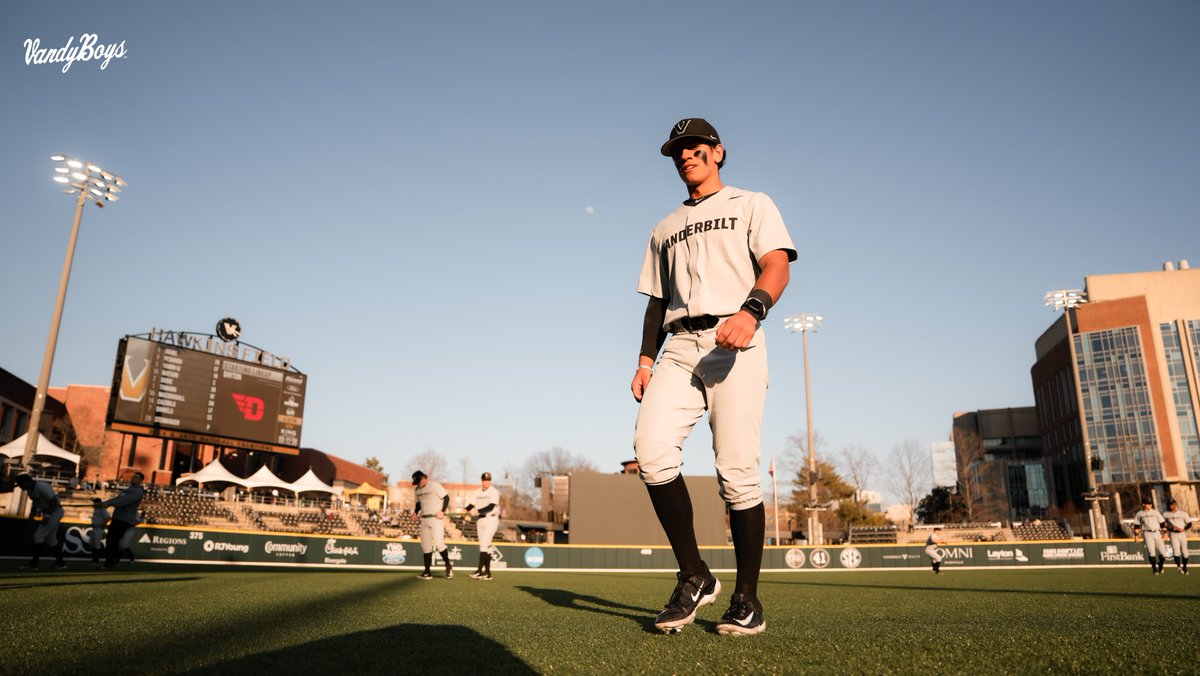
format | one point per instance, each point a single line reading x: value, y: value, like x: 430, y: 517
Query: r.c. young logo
x: 88, y: 49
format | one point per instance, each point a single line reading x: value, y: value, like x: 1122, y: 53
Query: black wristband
x: 758, y: 303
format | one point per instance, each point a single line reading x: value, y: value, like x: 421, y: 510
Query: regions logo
x: 534, y: 557
x: 393, y: 554
x: 794, y: 558
x: 850, y: 557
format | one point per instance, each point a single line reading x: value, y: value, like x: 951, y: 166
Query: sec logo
x: 851, y: 557
x: 819, y: 558
x: 794, y: 558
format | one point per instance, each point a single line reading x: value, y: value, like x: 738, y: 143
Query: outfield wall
x: 167, y: 544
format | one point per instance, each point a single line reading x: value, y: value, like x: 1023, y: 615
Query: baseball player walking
x: 1150, y: 523
x: 432, y: 501
x: 43, y: 501
x: 712, y: 270
x: 488, y: 499
x: 932, y: 543
x: 1178, y: 524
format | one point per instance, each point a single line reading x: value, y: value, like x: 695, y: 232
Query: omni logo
x: 252, y: 408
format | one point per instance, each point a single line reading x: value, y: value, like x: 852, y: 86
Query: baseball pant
x: 1179, y: 544
x: 1154, y: 543
x: 932, y: 552
x: 47, y: 531
x: 433, y: 532
x: 96, y: 542
x: 116, y: 531
x: 694, y: 375
x: 486, y: 526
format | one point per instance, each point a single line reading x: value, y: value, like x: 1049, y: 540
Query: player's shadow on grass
x: 594, y: 604
x: 401, y: 649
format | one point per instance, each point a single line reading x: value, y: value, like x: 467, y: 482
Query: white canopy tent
x: 45, y: 449
x: 213, y: 472
x: 265, y: 478
x: 310, y: 483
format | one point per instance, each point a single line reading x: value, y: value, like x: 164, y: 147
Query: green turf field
x: 172, y: 619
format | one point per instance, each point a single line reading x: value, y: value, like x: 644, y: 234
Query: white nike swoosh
x: 696, y: 596
x: 746, y: 622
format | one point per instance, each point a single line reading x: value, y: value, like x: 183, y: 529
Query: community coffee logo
x: 89, y: 48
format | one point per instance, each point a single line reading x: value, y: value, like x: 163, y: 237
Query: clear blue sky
x: 439, y: 210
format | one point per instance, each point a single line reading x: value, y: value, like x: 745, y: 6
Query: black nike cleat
x: 744, y: 617
x: 692, y: 592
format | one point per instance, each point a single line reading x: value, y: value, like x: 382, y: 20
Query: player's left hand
x: 736, y: 332
x: 441, y: 514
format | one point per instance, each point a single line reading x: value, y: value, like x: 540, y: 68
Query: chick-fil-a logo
x: 88, y: 49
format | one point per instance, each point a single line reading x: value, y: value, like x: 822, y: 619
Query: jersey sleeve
x: 767, y: 231
x: 651, y: 280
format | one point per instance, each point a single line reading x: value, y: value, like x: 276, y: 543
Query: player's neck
x: 710, y: 187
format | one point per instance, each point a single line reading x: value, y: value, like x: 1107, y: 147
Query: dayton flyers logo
x: 252, y: 408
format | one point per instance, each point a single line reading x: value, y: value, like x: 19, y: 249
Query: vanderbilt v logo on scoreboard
x: 208, y: 389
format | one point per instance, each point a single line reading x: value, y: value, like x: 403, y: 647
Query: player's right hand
x: 641, y: 380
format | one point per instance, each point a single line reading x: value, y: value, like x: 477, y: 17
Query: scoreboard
x: 174, y: 392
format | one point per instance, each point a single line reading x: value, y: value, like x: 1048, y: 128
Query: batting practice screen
x: 173, y: 392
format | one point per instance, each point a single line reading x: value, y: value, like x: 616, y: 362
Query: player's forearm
x: 653, y: 335
x: 775, y: 274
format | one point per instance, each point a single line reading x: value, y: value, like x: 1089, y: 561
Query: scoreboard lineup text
x: 176, y: 392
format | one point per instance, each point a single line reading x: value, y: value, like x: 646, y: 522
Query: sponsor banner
x: 172, y: 544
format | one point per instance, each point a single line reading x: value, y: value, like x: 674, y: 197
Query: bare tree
x: 464, y: 463
x: 430, y: 462
x: 981, y: 491
x: 794, y: 458
x: 857, y: 466
x: 910, y: 474
x: 555, y: 461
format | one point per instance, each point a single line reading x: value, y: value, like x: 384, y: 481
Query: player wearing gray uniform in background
x: 1149, y: 522
x: 712, y: 270
x: 43, y: 501
x: 1178, y: 524
x: 432, y: 501
x: 932, y: 543
x: 99, y: 521
x: 488, y: 499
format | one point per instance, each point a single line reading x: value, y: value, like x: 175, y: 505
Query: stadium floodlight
x: 803, y: 324
x: 1068, y: 300
x: 89, y: 182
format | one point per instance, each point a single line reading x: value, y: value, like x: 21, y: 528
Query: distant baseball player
x: 124, y: 517
x: 43, y: 501
x: 712, y: 270
x: 99, y: 521
x: 432, y: 501
x: 1178, y: 524
x: 488, y: 499
x: 1150, y: 522
x: 932, y: 543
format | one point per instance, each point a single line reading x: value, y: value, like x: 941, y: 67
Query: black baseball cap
x: 1147, y: 501
x: 417, y: 476
x: 691, y: 127
x: 486, y: 476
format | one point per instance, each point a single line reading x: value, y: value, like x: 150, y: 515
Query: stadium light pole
x: 802, y: 324
x: 89, y: 182
x: 1067, y: 300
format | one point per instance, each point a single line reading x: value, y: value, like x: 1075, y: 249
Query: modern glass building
x: 1131, y: 366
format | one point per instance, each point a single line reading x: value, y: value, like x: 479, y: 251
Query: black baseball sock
x: 38, y: 548
x: 482, y: 562
x: 428, y: 561
x: 58, y: 553
x: 1178, y: 562
x: 1185, y: 562
x: 748, y: 527
x: 673, y: 505
x: 446, y: 556
x: 487, y: 563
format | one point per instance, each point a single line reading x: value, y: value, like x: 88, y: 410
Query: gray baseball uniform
x: 429, y: 503
x: 703, y: 259
x: 45, y: 500
x: 1177, y: 523
x: 1151, y: 523
x: 488, y: 503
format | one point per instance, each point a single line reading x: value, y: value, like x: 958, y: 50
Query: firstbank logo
x: 252, y: 408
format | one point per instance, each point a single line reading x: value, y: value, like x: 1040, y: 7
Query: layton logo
x: 86, y: 50
x: 252, y: 408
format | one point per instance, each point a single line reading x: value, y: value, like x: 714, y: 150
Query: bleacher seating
x: 185, y: 509
x: 873, y: 534
x: 1046, y: 530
